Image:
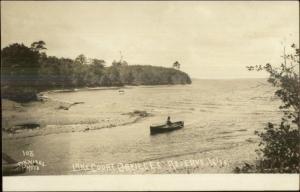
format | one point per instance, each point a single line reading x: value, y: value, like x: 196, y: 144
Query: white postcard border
x: 153, y: 182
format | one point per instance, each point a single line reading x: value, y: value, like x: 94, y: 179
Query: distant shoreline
x: 104, y: 88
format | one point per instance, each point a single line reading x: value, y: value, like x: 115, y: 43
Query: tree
x: 105, y: 81
x: 19, y: 73
x: 97, y: 66
x: 81, y: 59
x: 114, y: 76
x: 38, y: 46
x: 124, y: 63
x: 18, y: 60
x: 280, y: 143
x: 176, y: 65
x: 99, y: 63
x: 129, y: 79
x: 119, y: 63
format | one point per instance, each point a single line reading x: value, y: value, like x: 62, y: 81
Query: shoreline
x: 16, y: 114
x: 80, y: 89
x: 108, y: 88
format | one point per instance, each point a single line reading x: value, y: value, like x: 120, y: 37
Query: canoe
x: 155, y: 129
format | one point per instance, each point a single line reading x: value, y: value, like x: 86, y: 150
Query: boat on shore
x: 10, y: 166
x: 155, y: 129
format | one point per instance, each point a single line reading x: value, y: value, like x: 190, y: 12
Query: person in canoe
x: 169, y: 121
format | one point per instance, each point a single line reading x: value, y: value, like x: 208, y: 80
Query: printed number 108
x: 28, y: 153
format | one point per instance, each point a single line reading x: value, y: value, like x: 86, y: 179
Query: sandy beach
x: 51, y: 117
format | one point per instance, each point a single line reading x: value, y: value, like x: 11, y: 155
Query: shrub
x: 280, y: 144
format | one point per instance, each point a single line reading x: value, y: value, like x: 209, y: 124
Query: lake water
x: 217, y: 115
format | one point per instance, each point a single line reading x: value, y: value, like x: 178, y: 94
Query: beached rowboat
x: 154, y: 129
x: 10, y: 166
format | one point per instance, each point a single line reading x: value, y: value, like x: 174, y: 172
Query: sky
x: 211, y: 40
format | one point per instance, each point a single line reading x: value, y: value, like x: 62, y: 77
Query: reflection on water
x: 217, y: 114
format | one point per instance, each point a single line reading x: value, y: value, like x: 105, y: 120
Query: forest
x: 25, y: 71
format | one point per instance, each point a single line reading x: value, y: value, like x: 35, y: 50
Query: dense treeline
x: 65, y: 73
x: 28, y: 70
